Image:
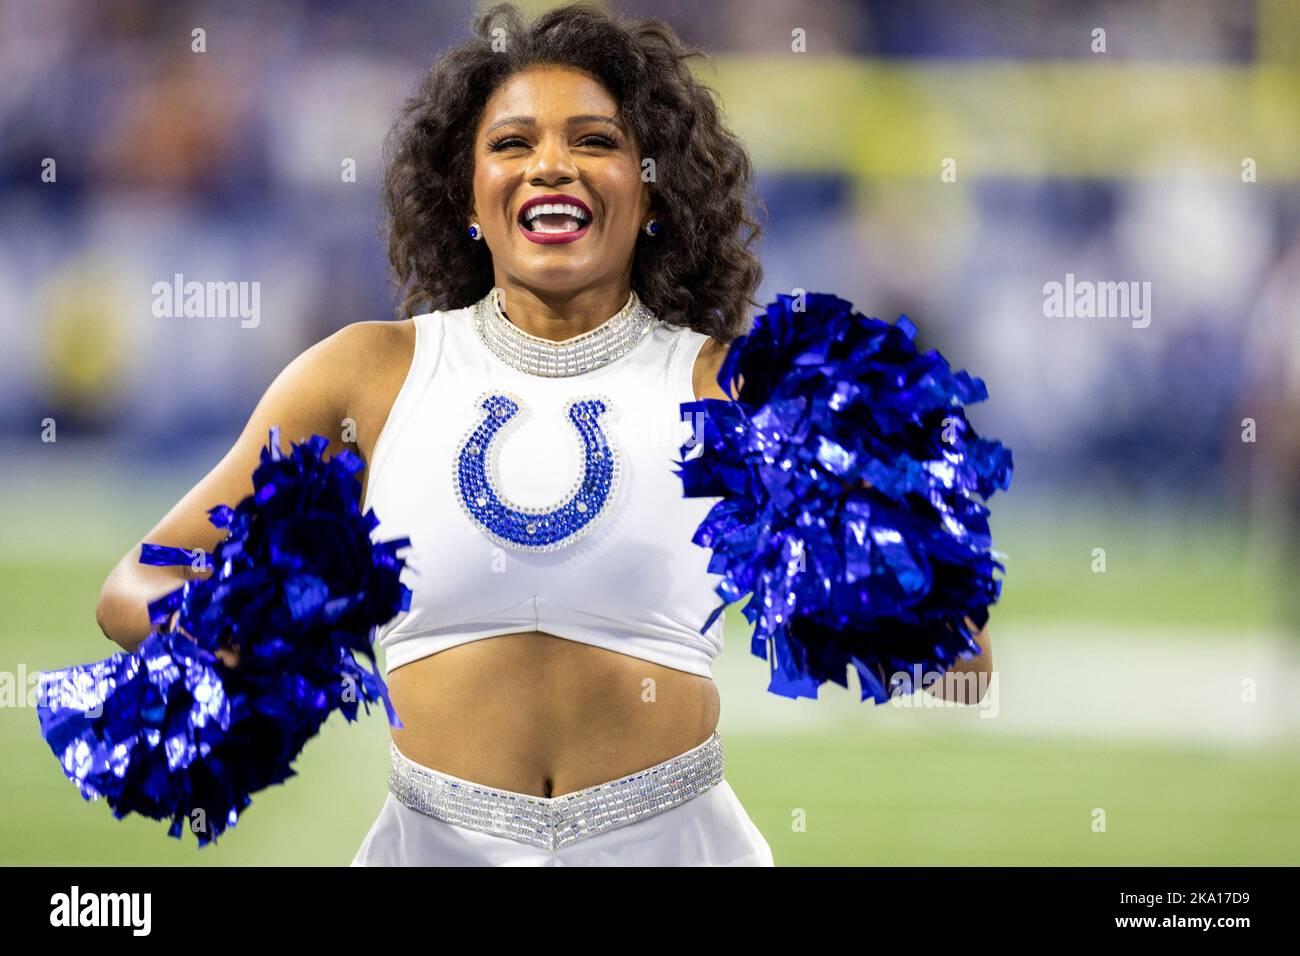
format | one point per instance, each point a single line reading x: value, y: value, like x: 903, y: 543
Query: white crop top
x: 629, y: 580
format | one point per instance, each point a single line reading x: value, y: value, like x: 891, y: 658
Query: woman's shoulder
x: 357, y: 364
x: 707, y: 363
x: 385, y: 335
x: 362, y: 351
x: 365, y: 364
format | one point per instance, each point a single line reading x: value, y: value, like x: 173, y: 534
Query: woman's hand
x: 967, y: 681
x: 227, y: 654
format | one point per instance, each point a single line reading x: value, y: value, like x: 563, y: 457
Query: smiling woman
x: 530, y: 147
x: 604, y: 114
x: 552, y: 673
x: 575, y: 294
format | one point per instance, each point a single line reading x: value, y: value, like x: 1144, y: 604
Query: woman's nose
x: 552, y: 160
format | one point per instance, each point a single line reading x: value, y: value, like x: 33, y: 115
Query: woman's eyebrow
x: 573, y: 120
x: 594, y: 118
x: 512, y: 121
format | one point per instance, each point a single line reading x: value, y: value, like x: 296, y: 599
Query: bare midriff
x: 545, y: 716
x: 532, y: 712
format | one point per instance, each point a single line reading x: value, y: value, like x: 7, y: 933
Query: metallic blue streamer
x: 849, y: 483
x: 297, y: 587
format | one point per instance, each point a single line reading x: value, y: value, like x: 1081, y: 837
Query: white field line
x: 1061, y: 680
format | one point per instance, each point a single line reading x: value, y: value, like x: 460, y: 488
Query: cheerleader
x: 570, y: 228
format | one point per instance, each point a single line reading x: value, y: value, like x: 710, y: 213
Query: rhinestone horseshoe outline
x: 520, y: 527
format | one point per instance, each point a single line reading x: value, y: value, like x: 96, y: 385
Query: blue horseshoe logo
x: 534, y: 529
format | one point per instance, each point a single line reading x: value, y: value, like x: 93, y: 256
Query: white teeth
x: 542, y: 209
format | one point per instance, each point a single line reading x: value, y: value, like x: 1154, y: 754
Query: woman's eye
x: 513, y: 142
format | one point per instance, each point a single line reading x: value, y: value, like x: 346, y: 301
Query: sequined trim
x: 475, y: 476
x: 554, y: 822
x: 612, y: 339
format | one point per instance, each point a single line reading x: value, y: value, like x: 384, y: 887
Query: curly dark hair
x: 698, y: 272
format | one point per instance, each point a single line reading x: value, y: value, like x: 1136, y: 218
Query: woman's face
x: 547, y: 131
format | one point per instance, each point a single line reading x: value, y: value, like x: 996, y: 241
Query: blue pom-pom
x: 297, y: 587
x: 851, y: 487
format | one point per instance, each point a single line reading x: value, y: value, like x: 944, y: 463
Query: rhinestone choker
x: 612, y: 339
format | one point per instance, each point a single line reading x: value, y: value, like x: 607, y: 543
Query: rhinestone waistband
x: 554, y: 822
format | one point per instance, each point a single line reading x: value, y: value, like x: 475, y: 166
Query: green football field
x: 853, y: 789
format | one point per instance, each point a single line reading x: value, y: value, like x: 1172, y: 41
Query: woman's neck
x: 560, y: 316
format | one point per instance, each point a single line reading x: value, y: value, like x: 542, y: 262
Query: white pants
x: 710, y: 829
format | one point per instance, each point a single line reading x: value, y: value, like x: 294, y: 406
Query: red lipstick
x: 584, y: 216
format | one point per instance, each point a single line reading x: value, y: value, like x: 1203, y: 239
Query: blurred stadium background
x: 1161, y: 691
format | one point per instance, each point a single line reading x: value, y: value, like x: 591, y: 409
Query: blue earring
x: 652, y: 227
x: 474, y: 231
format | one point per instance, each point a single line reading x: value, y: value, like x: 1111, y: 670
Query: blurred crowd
x: 227, y: 166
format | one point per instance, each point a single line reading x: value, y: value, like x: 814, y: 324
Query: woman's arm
x: 311, y: 396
